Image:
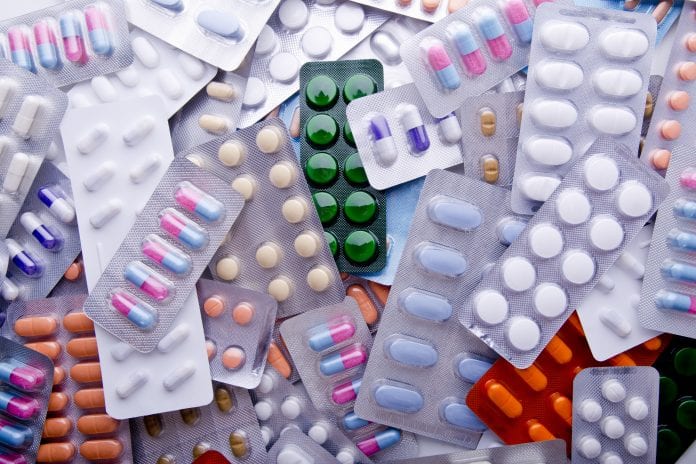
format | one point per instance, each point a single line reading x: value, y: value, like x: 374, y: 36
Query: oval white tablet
x: 606, y: 233
x: 590, y: 410
x: 634, y: 199
x: 284, y: 67
x: 129, y: 76
x: 601, y: 173
x: 612, y: 120
x: 192, y: 66
x: 555, y: 114
x: 169, y: 83
x: 549, y: 151
x: 617, y: 82
x: 624, y: 43
x: 491, y: 307
x: 539, y: 187
x: 564, y: 36
x: 558, y: 75
x: 255, y: 93
x: 523, y: 333
x: 518, y: 274
x: 293, y: 14
x: 145, y: 52
x: 104, y: 89
x: 550, y: 300
x: 316, y: 42
x: 578, y: 267
x: 573, y: 207
x: 349, y: 17
x: 545, y: 240
x: 266, y: 42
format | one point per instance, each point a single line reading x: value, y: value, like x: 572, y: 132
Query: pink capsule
x: 185, y: 230
x: 98, y: 31
x: 687, y: 179
x: 346, y: 392
x: 20, y: 49
x: 332, y: 333
x: 468, y: 48
x: 46, y: 45
x: 518, y: 16
x: 345, y: 359
x: 73, y: 43
x: 138, y: 312
x: 193, y: 199
x: 491, y: 30
x: 147, y: 280
x: 441, y: 64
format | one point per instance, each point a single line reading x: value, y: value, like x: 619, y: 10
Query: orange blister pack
x: 535, y: 404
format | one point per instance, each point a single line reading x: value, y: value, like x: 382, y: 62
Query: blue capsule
x: 47, y: 237
x: 685, y: 209
x: 15, y: 435
x: 440, y: 259
x: 20, y: 50
x: 683, y: 241
x: 401, y: 398
x: 46, y: 45
x: 410, y: 351
x: 351, y: 421
x: 23, y: 260
x: 682, y: 272
x: 98, y: 31
x: 460, y: 415
x: 454, y: 213
x: 425, y: 305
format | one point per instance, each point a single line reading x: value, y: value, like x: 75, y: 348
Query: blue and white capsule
x: 682, y: 272
x: 23, y: 260
x: 681, y: 241
x: 684, y: 208
x: 57, y: 203
x: 48, y: 237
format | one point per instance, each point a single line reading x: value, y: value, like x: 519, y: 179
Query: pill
x: 145, y: 52
x: 221, y: 91
x: 539, y: 187
x: 573, y: 207
x: 294, y: 209
x: 20, y: 49
x: 98, y: 30
x: 412, y: 123
x: 263, y: 410
x: 590, y: 410
x: 282, y: 175
x: 278, y: 361
x: 601, y: 173
x: 563, y: 407
x: 97, y: 424
x: 612, y: 426
x: 97, y: 178
x: 86, y: 372
x: 35, y: 326
x: 319, y: 432
x: 346, y: 391
x: 307, y: 244
x: 490, y: 307
x: 174, y: 338
x: 200, y: 448
x: 83, y: 347
x: 454, y: 213
x: 670, y: 129
x: 491, y: 29
x: 613, y: 390
x: 178, y: 376
x: 28, y: 118
x: 558, y: 350
x: 425, y: 305
x: 21, y: 407
x: 441, y: 260
x: 450, y: 130
x: 635, y: 444
x: 243, y: 313
x: 89, y: 398
x: 221, y: 23
x: 352, y: 422
x: 138, y: 130
x: 73, y: 272
x: 410, y: 351
x: 270, y: 139
x: 57, y: 402
x: 518, y: 17
x: 77, y: 322
x: 349, y: 17
x: 48, y: 348
x: 284, y: 67
x: 441, y: 64
x: 14, y: 176
x: 239, y: 443
x: 545, y: 240
x: 678, y: 100
x: 268, y: 255
x: 508, y: 229
x: 103, y: 449
x: 291, y: 407
x: 624, y: 43
x: 347, y: 358
x: 142, y: 169
x: 487, y: 119
x: 166, y: 255
x: 503, y: 399
x: 522, y: 333
x: 533, y: 377
x: 135, y: 310
x: 214, y: 124
x: 233, y: 358
x: 472, y: 369
x: 56, y: 452
x: 637, y: 408
x: 293, y: 14
x: 381, y: 292
x: 383, y: 145
x: 518, y: 274
x: 615, y: 321
x: 558, y: 75
x: 550, y: 300
x: 171, y: 5
x: 634, y: 199
x: 180, y: 227
x: 316, y: 42
x: 365, y: 304
x: 147, y: 280
x: 400, y: 398
x: 319, y: 278
x: 606, y: 234
x: 292, y: 454
x: 617, y: 82
x: 92, y: 139
x: 255, y: 93
x: 379, y: 441
x: 554, y: 114
x: 612, y: 120
x: 154, y: 425
x: 548, y: 151
x: 564, y: 36
x: 190, y: 416
x: 469, y: 51
x: 589, y: 447
x: 195, y: 200
x: 227, y: 268
x: 8, y: 87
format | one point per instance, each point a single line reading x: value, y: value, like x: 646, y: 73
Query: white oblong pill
x: 578, y: 267
x: 634, y: 199
x: 131, y: 384
x: 121, y: 351
x: 174, y: 338
x: 491, y: 307
x: 129, y: 77
x: 192, y: 66
x: 97, y: 178
x: 136, y: 132
x: 92, y: 139
x: 169, y: 83
x: 104, y: 89
x: 15, y: 172
x: 523, y: 333
x: 539, y: 187
x: 518, y: 274
x: 564, y: 36
x: 316, y: 42
x: 615, y: 321
x: 630, y: 264
x: 349, y: 17
x: 8, y: 88
x: 606, y: 234
x: 293, y: 14
x: 549, y: 151
x: 266, y: 42
x: 617, y: 82
x: 624, y: 43
x: 558, y: 75
x: 176, y: 377
x: 555, y: 114
x: 9, y: 290
x: 214, y: 124
x: 601, y: 173
x: 255, y: 93
x: 612, y: 120
x: 573, y: 207
x: 545, y: 240
x: 284, y: 67
x: 29, y: 116
x: 550, y: 300
x: 106, y: 213
x: 145, y: 52
x: 144, y: 168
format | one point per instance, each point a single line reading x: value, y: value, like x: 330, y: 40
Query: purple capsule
x: 383, y: 146
x: 415, y: 129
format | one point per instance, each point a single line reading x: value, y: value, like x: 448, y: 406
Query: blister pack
x: 290, y: 261
x: 295, y: 447
x: 427, y: 10
x: 44, y: 240
x: 298, y: 32
x: 31, y: 111
x: 615, y: 415
x: 453, y: 238
x: 567, y: 107
x: 177, y: 231
x: 227, y: 425
x: 25, y: 388
x: 69, y: 42
x: 535, y: 403
x: 598, y: 208
x: 219, y: 32
x: 279, y: 404
x: 490, y: 125
x: 238, y: 324
x: 397, y: 138
x: 609, y: 314
x: 370, y: 297
x: 157, y: 69
x: 77, y: 429
x: 673, y: 111
x: 352, y: 212
x: 73, y: 281
x: 470, y: 51
x: 4, y: 261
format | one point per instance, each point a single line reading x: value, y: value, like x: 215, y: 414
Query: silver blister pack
x: 567, y: 246
x: 397, y: 138
x: 295, y: 446
x: 300, y: 31
x: 460, y: 227
x: 589, y: 71
x: 426, y: 10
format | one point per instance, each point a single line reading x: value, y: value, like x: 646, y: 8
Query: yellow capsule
x: 223, y: 399
x: 239, y: 444
x: 490, y: 169
x: 153, y: 425
x: 487, y: 118
x: 190, y: 416
x: 520, y: 109
x: 200, y: 448
x: 166, y: 459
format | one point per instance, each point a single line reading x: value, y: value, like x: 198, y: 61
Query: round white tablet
x: 523, y: 333
x: 293, y: 14
x: 610, y: 458
x: 349, y: 17
x: 319, y: 433
x: 291, y: 408
x: 255, y: 93
x: 266, y: 435
x: 317, y: 42
x: 613, y: 390
x: 601, y: 173
x: 283, y: 67
x: 612, y: 427
x: 578, y: 267
x: 590, y: 410
x: 545, y: 240
x: 490, y: 307
x: 635, y: 444
x: 266, y: 385
x: 550, y: 300
x: 518, y: 274
x: 263, y: 409
x: 634, y: 199
x: 606, y: 233
x: 345, y: 456
x: 573, y: 207
x: 266, y: 42
x: 589, y: 447
x: 637, y: 408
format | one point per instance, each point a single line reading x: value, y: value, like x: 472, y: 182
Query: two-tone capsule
x: 468, y: 48
x: 135, y: 310
x: 411, y: 121
x: 20, y: 50
x: 681, y: 241
x: 518, y: 16
x: 682, y: 272
x: 675, y: 301
x: 148, y: 281
x: 346, y: 392
x: 492, y: 31
x: 46, y: 45
x: 383, y: 145
x: 329, y: 334
x: 57, y: 203
x: 71, y: 33
x: 685, y: 209
x: 21, y: 407
x: 351, y: 421
x: 23, y: 260
x: 345, y: 359
x: 47, y: 236
x: 166, y: 255
x: 22, y: 376
x: 98, y: 31
x: 450, y: 130
x: 183, y: 229
x: 193, y: 199
x: 379, y: 441
x: 15, y: 436
x: 441, y: 64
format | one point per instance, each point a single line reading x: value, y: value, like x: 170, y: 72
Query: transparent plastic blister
x: 227, y: 425
x: 370, y: 296
x: 25, y: 388
x: 73, y: 281
x: 615, y: 415
x: 470, y: 51
x: 295, y: 446
x: 157, y: 69
x: 279, y: 357
x: 238, y: 324
x: 426, y: 10
x: 31, y: 111
x: 575, y: 237
x: 146, y: 283
x: 69, y: 42
x: 298, y: 32
x: 220, y: 32
x: 667, y: 298
x: 459, y: 228
x: 490, y: 126
x: 77, y: 430
x: 44, y: 239
x: 397, y: 138
x: 288, y: 259
x: 589, y: 71
x: 673, y: 111
x: 609, y: 314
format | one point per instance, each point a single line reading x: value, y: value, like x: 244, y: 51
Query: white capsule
x: 104, y: 89
x: 169, y: 83
x: 192, y: 66
x: 97, y: 178
x: 93, y: 139
x: 629, y: 263
x: 121, y: 351
x: 129, y: 76
x: 106, y: 213
x: 9, y: 290
x: 30, y: 221
x: 6, y: 144
x: 27, y: 118
x: 145, y: 52
x: 450, y: 129
x: 131, y: 384
x: 15, y: 172
x: 176, y: 377
x: 7, y: 91
x: 144, y: 168
x: 539, y: 187
x: 137, y: 131
x: 174, y: 338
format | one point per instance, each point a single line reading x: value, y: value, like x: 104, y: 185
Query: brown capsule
x: 166, y: 459
x: 58, y: 375
x: 82, y: 348
x: 57, y: 427
x: 276, y: 359
x: 344, y: 275
x: 641, y: 144
x: 50, y: 349
x: 57, y: 401
x: 97, y: 424
x: 89, y: 398
x: 190, y: 416
x: 153, y: 425
x: 86, y: 372
x: 239, y: 443
x: 630, y: 4
x: 37, y: 326
x: 649, y: 106
x: 367, y: 307
x: 200, y: 448
x: 56, y: 452
x: 78, y: 322
x: 489, y: 169
x: 487, y: 119
x: 661, y: 10
x: 381, y: 291
x: 223, y: 399
x: 101, y: 450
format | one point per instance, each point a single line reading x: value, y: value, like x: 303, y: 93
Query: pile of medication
x: 348, y: 231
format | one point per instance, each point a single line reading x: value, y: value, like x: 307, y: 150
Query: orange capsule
x: 533, y: 377
x: 381, y: 291
x: 57, y: 402
x: 89, y: 398
x: 622, y: 359
x: 56, y: 452
x: 367, y: 307
x: 36, y: 326
x: 276, y: 359
x: 101, y: 450
x: 537, y: 431
x: 97, y: 424
x: 558, y: 350
x: 78, y: 322
x: 50, y: 349
x: 57, y: 427
x: 73, y: 272
x: 563, y: 407
x: 58, y: 375
x: 661, y: 10
x: 503, y: 399
x: 86, y: 372
x: 82, y: 348
x: 653, y: 344
x: 575, y: 322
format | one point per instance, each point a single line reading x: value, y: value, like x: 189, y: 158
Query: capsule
x: 441, y: 64
x: 21, y: 258
x: 89, y: 398
x: 276, y: 359
x: 416, y: 134
x: 166, y: 255
x: 681, y: 272
x: 494, y: 34
x: 193, y: 199
x: 223, y: 399
x: 346, y: 392
x: 98, y: 31
x: 47, y: 236
x: 136, y: 311
x: 154, y: 426
x: 518, y: 16
x: 57, y: 203
x: 379, y: 441
x: 147, y: 280
x: 675, y: 301
x: 18, y: 406
x: 681, y: 241
x: 73, y: 43
x: 36, y: 326
x: 46, y: 45
x: 450, y: 130
x: 239, y: 444
x: 329, y: 334
x: 15, y: 436
x: 351, y: 421
x: 383, y: 144
x: 8, y: 289
x: 345, y: 359
x: 14, y: 175
x: 190, y: 416
x: 20, y: 50
x: 367, y: 307
x: 467, y: 47
x: 56, y: 452
x: 183, y: 229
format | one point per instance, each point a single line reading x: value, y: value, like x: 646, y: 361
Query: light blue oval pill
x: 411, y: 352
x: 460, y: 415
x: 425, y: 305
x: 441, y: 259
x: 171, y: 5
x: 454, y: 213
x: 471, y: 369
x: 509, y: 229
x: 218, y: 22
x: 351, y: 421
x: 397, y: 398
